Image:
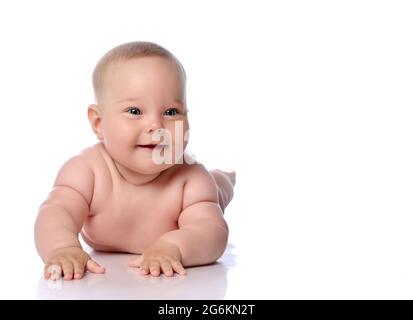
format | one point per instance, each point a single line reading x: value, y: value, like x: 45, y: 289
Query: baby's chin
x: 151, y: 168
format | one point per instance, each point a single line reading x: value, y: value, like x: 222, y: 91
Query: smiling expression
x: 141, y: 97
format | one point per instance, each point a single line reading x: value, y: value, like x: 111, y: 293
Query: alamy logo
x: 163, y: 153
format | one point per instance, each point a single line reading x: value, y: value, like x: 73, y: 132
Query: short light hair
x: 127, y: 51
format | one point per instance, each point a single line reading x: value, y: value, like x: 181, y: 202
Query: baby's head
x: 139, y: 96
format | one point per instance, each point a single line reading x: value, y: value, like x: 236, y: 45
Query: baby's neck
x: 135, y: 178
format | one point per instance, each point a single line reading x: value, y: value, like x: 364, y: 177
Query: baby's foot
x: 225, y: 182
x: 232, y: 175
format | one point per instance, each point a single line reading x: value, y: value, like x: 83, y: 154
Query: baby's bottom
x: 225, y: 182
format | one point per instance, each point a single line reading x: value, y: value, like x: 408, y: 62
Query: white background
x: 309, y: 101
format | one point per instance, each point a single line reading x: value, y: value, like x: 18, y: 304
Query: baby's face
x: 140, y: 97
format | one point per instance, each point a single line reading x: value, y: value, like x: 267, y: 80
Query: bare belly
x: 104, y: 233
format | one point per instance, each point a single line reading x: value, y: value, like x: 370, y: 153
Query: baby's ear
x: 93, y: 114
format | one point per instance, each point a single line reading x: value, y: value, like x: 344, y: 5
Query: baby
x: 136, y: 190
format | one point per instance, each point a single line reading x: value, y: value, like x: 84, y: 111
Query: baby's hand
x: 161, y: 256
x: 72, y: 261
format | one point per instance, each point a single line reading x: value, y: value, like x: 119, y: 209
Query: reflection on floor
x: 123, y: 282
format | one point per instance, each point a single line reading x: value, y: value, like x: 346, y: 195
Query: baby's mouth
x: 150, y: 146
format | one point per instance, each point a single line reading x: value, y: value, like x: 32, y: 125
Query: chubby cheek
x: 179, y: 133
x: 120, y: 134
x: 119, y: 141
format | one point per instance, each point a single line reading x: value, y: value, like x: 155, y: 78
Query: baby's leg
x: 225, y: 182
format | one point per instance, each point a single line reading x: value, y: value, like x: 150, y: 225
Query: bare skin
x: 118, y: 199
x: 74, y: 262
x: 164, y: 258
x: 158, y: 256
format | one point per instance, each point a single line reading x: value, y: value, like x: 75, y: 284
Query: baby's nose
x: 153, y: 127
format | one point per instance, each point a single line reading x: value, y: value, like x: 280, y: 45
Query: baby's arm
x: 203, y: 233
x: 61, y: 218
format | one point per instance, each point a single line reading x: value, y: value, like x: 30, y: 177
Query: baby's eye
x: 135, y: 111
x: 171, y: 112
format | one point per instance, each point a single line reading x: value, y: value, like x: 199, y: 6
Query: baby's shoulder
x: 197, y: 177
x: 93, y: 155
x: 199, y: 184
x: 192, y: 172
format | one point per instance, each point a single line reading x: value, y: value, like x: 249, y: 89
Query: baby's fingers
x: 178, y: 267
x: 154, y: 267
x: 46, y: 271
x: 67, y: 267
x: 79, y: 269
x: 94, y: 267
x: 151, y: 266
x: 52, y: 271
x: 136, y: 262
x: 145, y: 267
x: 167, y: 268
